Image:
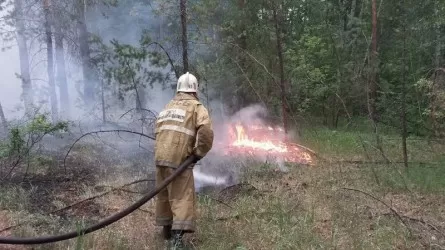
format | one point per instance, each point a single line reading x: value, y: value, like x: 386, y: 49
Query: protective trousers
x: 176, y: 204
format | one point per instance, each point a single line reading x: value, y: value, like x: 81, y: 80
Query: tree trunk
x: 242, y: 43
x: 104, y: 117
x: 324, y: 112
x: 140, y: 98
x: 3, y: 119
x: 337, y: 118
x: 25, y: 74
x: 50, y: 66
x: 436, y: 103
x: 438, y: 55
x: 358, y: 9
x: 243, y: 36
x: 278, y: 24
x: 403, y: 116
x: 347, y: 9
x: 87, y: 69
x: 183, y: 9
x: 353, y: 8
x: 372, y: 91
x: 334, y: 113
x: 61, y: 74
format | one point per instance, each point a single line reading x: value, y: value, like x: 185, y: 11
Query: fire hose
x: 105, y: 222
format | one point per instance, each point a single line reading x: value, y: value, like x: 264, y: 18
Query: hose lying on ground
x: 105, y: 222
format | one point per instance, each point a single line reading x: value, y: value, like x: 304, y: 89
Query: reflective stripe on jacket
x: 183, y: 128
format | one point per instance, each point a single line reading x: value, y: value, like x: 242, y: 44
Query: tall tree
x: 25, y: 74
x: 277, y: 14
x: 50, y: 59
x: 437, y: 25
x: 61, y: 72
x: 372, y: 91
x: 89, y: 79
x: 403, y: 108
x: 3, y: 119
x: 242, y: 43
x: 183, y: 10
x: 439, y: 74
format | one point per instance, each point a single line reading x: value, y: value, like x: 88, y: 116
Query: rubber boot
x: 167, y: 232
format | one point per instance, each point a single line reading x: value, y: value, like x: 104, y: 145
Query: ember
x: 265, y: 141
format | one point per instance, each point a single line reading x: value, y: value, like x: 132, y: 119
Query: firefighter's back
x: 176, y: 130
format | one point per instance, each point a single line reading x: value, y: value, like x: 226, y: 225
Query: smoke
x: 107, y: 23
x: 9, y: 85
x: 125, y: 23
x: 221, y: 169
x: 251, y: 114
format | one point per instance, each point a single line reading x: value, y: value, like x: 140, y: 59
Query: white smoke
x: 218, y: 169
x: 202, y: 179
x: 250, y: 114
x: 215, y: 169
x: 10, y: 90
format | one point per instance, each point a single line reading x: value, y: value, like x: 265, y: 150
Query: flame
x: 266, y: 140
x: 242, y: 140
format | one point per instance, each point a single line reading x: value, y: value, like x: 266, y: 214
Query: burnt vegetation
x: 329, y: 118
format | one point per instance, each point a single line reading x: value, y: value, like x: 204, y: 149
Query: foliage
x: 22, y: 139
x: 233, y: 48
x: 131, y: 69
x: 433, y: 96
x: 326, y: 56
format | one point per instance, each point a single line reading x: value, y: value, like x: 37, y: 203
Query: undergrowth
x: 425, y: 178
x: 335, y: 204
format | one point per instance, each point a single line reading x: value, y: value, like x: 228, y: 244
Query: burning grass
x: 265, y: 141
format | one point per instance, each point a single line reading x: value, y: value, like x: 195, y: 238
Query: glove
x: 196, y: 159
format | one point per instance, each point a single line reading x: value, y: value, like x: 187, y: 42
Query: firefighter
x: 183, y: 128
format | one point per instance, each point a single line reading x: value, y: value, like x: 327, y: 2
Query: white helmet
x: 187, y: 83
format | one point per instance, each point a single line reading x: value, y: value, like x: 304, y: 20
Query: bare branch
x: 168, y: 56
x: 382, y: 202
x: 422, y: 221
x: 82, y: 201
x: 143, y: 109
x: 102, y: 131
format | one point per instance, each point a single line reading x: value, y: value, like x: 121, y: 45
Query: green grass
x: 425, y: 178
x: 275, y: 223
x: 329, y: 142
x: 426, y: 172
x: 351, y: 144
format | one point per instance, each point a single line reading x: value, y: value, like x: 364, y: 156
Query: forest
x: 329, y: 120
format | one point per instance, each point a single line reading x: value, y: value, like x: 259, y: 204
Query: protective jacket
x: 183, y: 128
